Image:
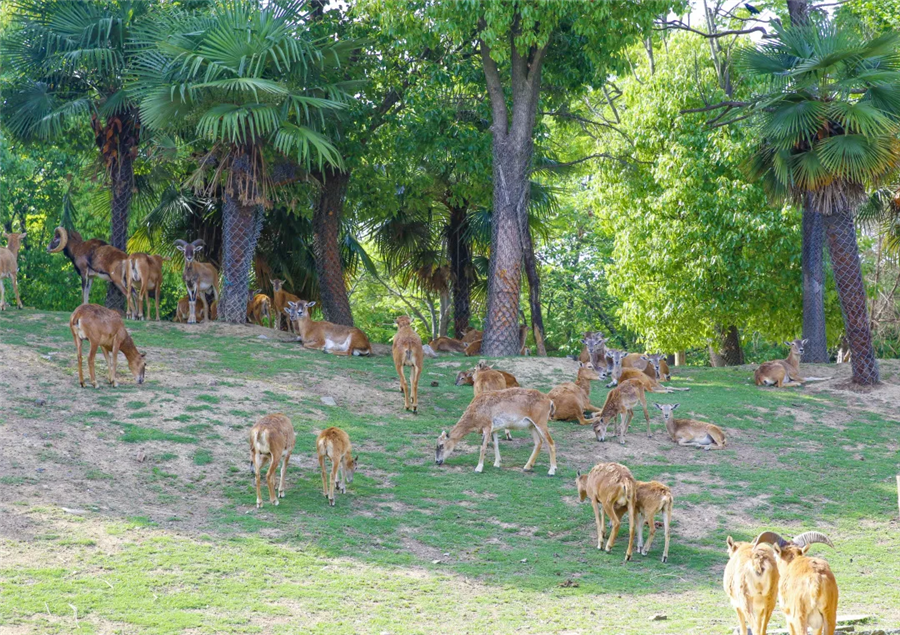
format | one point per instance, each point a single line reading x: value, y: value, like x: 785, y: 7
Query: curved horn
x: 809, y: 537
x: 181, y: 242
x: 770, y: 537
x: 199, y: 243
x: 63, y: 239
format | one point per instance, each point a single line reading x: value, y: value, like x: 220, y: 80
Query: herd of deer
x: 756, y: 572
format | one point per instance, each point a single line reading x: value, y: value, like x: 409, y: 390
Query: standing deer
x: 775, y: 373
x: 9, y: 267
x: 690, y: 432
x: 751, y: 583
x: 280, y: 299
x: 646, y: 377
x: 611, y: 489
x: 325, y: 336
x: 104, y: 329
x: 334, y: 444
x: 80, y: 252
x: 491, y: 412
x: 146, y: 270
x: 407, y: 351
x: 572, y: 399
x: 259, y: 309
x: 271, y: 440
x: 620, y: 403
x: 199, y: 277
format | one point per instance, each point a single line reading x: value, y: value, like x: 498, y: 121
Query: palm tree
x: 243, y: 80
x: 828, y: 127
x: 73, y: 60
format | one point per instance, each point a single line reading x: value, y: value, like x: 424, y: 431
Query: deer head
x: 59, y: 242
x: 189, y: 249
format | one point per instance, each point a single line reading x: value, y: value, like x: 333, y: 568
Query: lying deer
x: 9, y: 267
x: 620, y: 403
x: 447, y: 345
x: 594, y: 351
x: 775, y: 373
x: 407, y: 351
x: 751, y: 583
x: 690, y: 432
x: 654, y: 366
x: 259, y: 309
x: 104, y: 329
x: 491, y: 412
x: 325, y: 336
x: 280, y: 300
x: 334, y: 443
x: 573, y: 398
x: 611, y: 489
x: 467, y: 378
x: 146, y: 270
x: 80, y: 252
x: 472, y: 335
x: 649, y: 382
x: 271, y: 440
x: 199, y: 278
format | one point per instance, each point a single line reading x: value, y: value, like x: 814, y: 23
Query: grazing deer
x: 447, y: 345
x: 652, y: 497
x: 199, y: 278
x: 80, y: 252
x: 751, y: 583
x: 334, y: 444
x: 467, y: 378
x: 611, y: 489
x: 775, y: 373
x: 259, y: 309
x: 573, y: 398
x: 491, y: 412
x: 9, y: 267
x: 271, y: 439
x: 407, y: 351
x: 280, y: 299
x: 104, y: 329
x: 808, y: 589
x: 690, y: 432
x: 325, y: 336
x: 147, y: 271
x: 620, y: 402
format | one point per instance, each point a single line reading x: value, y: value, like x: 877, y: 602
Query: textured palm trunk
x: 534, y: 292
x: 460, y: 268
x: 242, y: 225
x: 816, y: 349
x: 841, y: 234
x: 327, y: 247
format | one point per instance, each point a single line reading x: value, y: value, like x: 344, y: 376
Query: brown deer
x: 467, y: 378
x: 259, y: 309
x: 486, y: 379
x: 491, y: 412
x: 9, y: 267
x: 473, y: 348
x: 146, y: 270
x: 775, y: 373
x: 652, y: 497
x: 407, y: 351
x: 334, y: 443
x: 336, y: 339
x: 807, y: 587
x: 271, y: 440
x: 471, y: 335
x: 573, y: 398
x: 595, y: 352
x: 751, y: 583
x: 199, y: 278
x: 690, y: 432
x: 620, y: 403
x: 280, y: 300
x: 183, y: 311
x: 648, y: 379
x: 80, y: 252
x: 612, y: 490
x: 447, y: 345
x: 654, y: 366
x: 104, y: 329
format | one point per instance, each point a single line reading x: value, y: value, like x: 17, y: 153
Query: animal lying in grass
x: 336, y: 339
x: 571, y: 399
x: 784, y: 372
x: 690, y: 432
x: 467, y: 378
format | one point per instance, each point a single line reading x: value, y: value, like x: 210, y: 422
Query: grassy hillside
x: 133, y: 508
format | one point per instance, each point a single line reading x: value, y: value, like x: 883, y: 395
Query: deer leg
x: 334, y: 468
x: 284, y: 464
x: 631, y: 527
x: 645, y: 548
x: 324, y: 477
x: 342, y: 478
x: 622, y: 427
x: 86, y: 282
x: 403, y: 385
x: 616, y: 522
x: 15, y: 281
x: 529, y: 466
x: 415, y: 374
x: 667, y: 521
x: 646, y: 416
x: 115, y: 362
x: 258, y: 462
x: 270, y: 475
x: 80, y: 365
x: 598, y: 517
x: 108, y: 364
x: 742, y: 623
x: 485, y: 437
x: 207, y: 314
x: 551, y: 448
x: 496, y: 450
x: 2, y: 295
x: 91, y: 355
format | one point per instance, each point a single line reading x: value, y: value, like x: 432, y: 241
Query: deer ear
x: 179, y: 247
x: 143, y: 355
x: 674, y: 405
x: 657, y: 405
x: 309, y: 304
x: 788, y: 344
x: 803, y: 342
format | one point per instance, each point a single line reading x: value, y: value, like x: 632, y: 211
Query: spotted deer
x: 272, y: 440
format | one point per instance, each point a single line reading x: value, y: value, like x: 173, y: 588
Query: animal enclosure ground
x: 132, y: 510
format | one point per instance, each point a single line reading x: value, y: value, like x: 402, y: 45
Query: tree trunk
x: 816, y: 349
x: 680, y: 358
x: 445, y: 312
x: 534, y: 292
x: 241, y: 228
x: 730, y: 352
x: 798, y: 11
x: 848, y: 278
x: 327, y: 247
x: 460, y: 267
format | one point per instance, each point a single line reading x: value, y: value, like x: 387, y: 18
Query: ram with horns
x: 93, y: 258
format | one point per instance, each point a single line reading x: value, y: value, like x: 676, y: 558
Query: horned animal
x: 447, y: 345
x: 280, y: 299
x: 271, y: 440
x: 407, y: 351
x: 325, y: 336
x: 104, y: 329
x: 146, y: 271
x: 620, y: 403
x: 199, y: 278
x: 612, y: 490
x: 9, y: 267
x: 690, y: 432
x: 491, y: 412
x: 573, y: 398
x: 334, y: 444
x: 80, y: 252
x: 259, y: 309
x: 751, y: 583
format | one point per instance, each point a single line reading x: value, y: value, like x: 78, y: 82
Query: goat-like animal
x: 104, y: 329
x: 259, y: 309
x: 690, y: 432
x: 9, y: 267
x: 334, y: 444
x: 199, y: 278
x: 573, y: 398
x: 280, y: 300
x: 271, y: 440
x: 79, y: 252
x: 751, y: 583
x: 407, y: 350
x: 620, y: 403
x: 784, y: 372
x: 472, y: 335
x: 654, y: 366
x: 467, y: 378
x: 447, y: 345
x: 325, y: 336
x: 146, y: 271
x: 612, y: 490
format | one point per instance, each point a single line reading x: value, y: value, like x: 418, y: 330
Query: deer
x: 473, y: 348
x: 624, y: 374
x: 690, y: 432
x: 336, y: 339
x: 493, y: 411
x: 652, y: 497
x: 407, y: 350
x: 612, y: 491
x: 280, y: 299
x: 146, y: 270
x: 447, y: 345
x: 486, y: 379
x: 79, y: 252
x: 775, y: 373
x: 9, y: 267
x: 272, y: 440
x: 471, y: 335
x: 259, y: 308
x: 620, y: 402
x: 103, y: 328
x: 654, y: 366
x: 594, y: 351
x: 199, y: 278
x: 334, y: 443
x: 807, y: 587
x: 573, y: 398
x: 751, y: 583
x: 467, y: 378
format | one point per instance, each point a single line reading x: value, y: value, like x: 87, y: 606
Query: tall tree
x: 828, y: 128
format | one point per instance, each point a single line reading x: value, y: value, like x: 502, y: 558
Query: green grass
x: 367, y: 564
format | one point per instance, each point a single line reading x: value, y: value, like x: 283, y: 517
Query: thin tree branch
x: 681, y: 26
x: 721, y: 104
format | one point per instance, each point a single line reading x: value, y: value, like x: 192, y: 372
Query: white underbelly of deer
x: 331, y: 345
x: 510, y: 422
